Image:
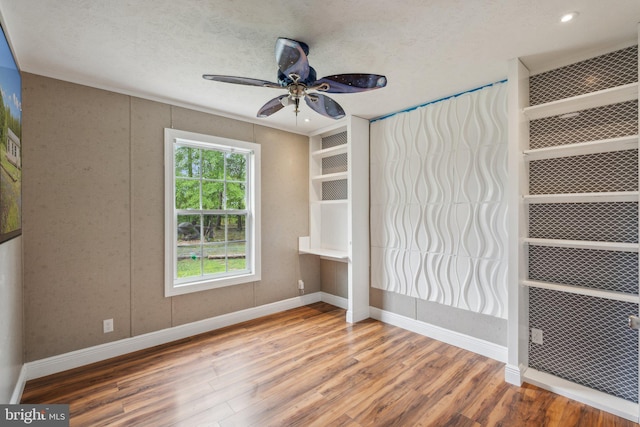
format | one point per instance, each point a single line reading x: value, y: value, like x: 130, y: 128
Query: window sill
x: 172, y: 289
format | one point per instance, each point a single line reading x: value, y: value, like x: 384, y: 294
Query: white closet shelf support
x: 326, y: 253
x: 328, y: 152
x: 330, y: 177
x: 608, y: 197
x: 614, y: 95
x: 304, y: 248
x: 583, y: 244
x: 581, y: 290
x: 592, y: 147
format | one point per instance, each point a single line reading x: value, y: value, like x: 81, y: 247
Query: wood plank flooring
x: 306, y: 367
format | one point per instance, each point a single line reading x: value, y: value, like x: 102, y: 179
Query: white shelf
x: 581, y: 290
x: 330, y: 177
x: 614, y: 95
x: 328, y: 152
x: 591, y: 147
x: 327, y: 253
x: 304, y: 248
x: 583, y: 244
x: 620, y: 196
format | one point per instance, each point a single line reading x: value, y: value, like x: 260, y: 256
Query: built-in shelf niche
x: 574, y: 238
x: 339, y: 205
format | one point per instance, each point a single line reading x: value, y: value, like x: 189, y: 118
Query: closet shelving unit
x: 339, y: 205
x: 328, y: 195
x: 581, y: 375
x: 615, y: 95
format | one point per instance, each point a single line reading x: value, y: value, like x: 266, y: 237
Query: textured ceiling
x: 428, y: 49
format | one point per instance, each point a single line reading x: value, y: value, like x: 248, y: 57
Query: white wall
x: 11, y: 354
x: 438, y: 202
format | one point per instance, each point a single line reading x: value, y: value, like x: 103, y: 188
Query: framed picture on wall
x: 10, y: 144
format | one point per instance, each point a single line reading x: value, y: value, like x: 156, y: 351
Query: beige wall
x: 334, y: 278
x: 93, y: 203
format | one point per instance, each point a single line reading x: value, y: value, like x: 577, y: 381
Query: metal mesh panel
x: 334, y: 140
x: 610, y: 121
x: 606, y: 71
x: 585, y: 340
x: 334, y: 190
x: 612, y: 222
x: 613, y: 171
x: 334, y: 164
x: 608, y: 270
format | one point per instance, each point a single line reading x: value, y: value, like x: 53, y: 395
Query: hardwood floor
x: 306, y: 367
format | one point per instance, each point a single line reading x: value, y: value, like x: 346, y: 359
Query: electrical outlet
x: 536, y: 336
x: 107, y: 325
x: 301, y: 284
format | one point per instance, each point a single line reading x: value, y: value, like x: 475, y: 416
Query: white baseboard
x: 19, y: 388
x: 476, y: 345
x: 85, y: 356
x: 588, y: 396
x: 334, y: 300
x: 354, y: 317
x: 513, y: 374
x: 75, y: 359
x: 343, y: 303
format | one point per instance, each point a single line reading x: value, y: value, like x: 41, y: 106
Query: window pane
x: 189, y: 261
x: 236, y: 231
x: 215, y: 226
x: 187, y: 194
x: 212, y: 195
x: 188, y: 228
x: 237, y: 262
x: 187, y: 161
x: 236, y: 167
x: 215, y: 258
x: 237, y: 242
x: 212, y: 164
x: 236, y: 196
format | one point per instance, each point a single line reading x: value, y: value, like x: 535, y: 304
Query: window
x: 212, y: 221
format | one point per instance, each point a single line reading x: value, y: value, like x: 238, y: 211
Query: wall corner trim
x: 19, y: 388
x: 476, y: 345
x: 85, y: 356
x: 513, y: 374
x: 340, y: 302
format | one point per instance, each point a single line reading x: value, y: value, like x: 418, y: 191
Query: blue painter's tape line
x: 436, y: 101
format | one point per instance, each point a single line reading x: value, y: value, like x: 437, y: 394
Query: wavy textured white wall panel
x: 443, y: 286
x: 438, y: 202
x: 487, y: 241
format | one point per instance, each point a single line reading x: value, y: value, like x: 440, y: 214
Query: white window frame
x: 174, y: 286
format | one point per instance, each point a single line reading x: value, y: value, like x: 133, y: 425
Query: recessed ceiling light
x: 569, y: 16
x: 307, y: 120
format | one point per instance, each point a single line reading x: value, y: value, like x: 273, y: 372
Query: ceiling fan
x: 298, y: 78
